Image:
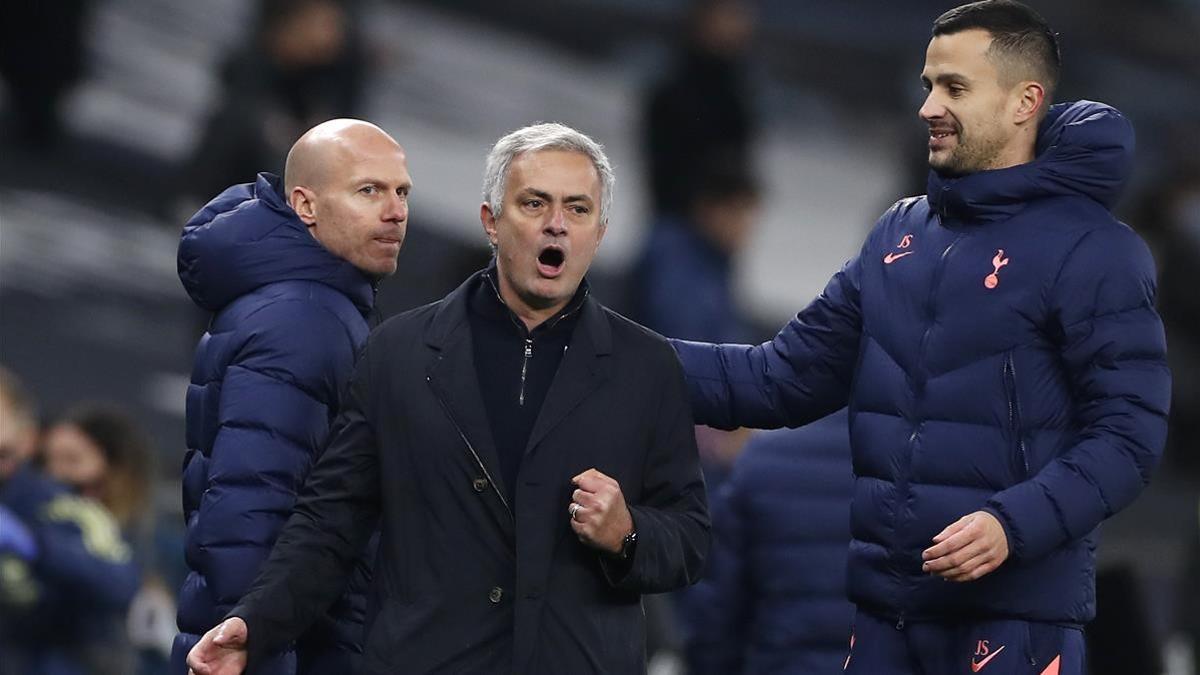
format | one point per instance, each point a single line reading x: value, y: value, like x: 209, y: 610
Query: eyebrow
x: 546, y: 196
x: 369, y: 180
x: 947, y: 77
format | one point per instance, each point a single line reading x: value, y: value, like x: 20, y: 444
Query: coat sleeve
x: 334, y: 517
x: 671, y: 516
x: 801, y: 375
x: 1114, y: 351
x: 717, y: 610
x: 276, y: 400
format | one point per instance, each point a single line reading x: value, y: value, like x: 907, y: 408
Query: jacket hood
x: 1083, y: 149
x: 249, y: 237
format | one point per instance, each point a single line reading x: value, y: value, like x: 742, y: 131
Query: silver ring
x: 573, y: 509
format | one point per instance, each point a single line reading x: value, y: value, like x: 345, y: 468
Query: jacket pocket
x: 1015, y: 430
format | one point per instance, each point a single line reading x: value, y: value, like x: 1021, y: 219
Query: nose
x: 931, y: 109
x: 396, y: 209
x: 556, y: 224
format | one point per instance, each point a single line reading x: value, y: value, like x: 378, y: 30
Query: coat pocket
x: 1016, y: 433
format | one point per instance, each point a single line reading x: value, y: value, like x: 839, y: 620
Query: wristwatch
x: 628, y: 544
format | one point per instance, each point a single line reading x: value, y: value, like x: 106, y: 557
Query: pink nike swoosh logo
x: 976, y: 667
x: 893, y: 257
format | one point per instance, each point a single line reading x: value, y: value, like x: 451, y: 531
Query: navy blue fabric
x: 999, y: 348
x: 290, y: 319
x: 61, y: 611
x: 677, y: 263
x: 994, y: 647
x: 773, y: 599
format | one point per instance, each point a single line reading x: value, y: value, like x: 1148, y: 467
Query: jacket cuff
x: 257, y: 647
x: 1030, y: 520
x: 618, y: 572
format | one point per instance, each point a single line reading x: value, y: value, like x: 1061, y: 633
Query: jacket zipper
x: 524, y: 369
x: 912, y: 439
x: 1014, y: 412
x: 529, y: 338
x: 470, y: 447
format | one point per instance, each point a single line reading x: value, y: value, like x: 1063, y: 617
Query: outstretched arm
x: 801, y: 375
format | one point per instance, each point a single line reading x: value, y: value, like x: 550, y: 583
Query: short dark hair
x: 1022, y: 42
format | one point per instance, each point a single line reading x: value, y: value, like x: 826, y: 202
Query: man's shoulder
x: 1081, y: 229
x: 629, y: 334
x: 407, y: 323
x: 294, y: 300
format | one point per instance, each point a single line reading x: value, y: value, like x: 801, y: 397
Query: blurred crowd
x: 90, y: 560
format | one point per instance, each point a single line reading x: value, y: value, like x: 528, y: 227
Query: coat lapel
x: 453, y: 379
x: 582, y: 370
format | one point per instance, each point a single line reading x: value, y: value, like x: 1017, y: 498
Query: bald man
x: 289, y: 270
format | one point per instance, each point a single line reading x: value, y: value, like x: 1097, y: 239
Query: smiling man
x: 530, y: 454
x: 997, y: 343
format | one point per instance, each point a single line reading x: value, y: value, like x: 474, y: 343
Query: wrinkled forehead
x: 554, y: 171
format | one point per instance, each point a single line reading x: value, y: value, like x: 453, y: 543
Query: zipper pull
x: 524, y: 369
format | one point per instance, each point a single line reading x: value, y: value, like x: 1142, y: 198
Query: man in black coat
x: 530, y: 453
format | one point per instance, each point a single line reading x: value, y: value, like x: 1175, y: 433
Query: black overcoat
x: 465, y: 581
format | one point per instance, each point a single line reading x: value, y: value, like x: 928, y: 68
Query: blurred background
x: 755, y: 144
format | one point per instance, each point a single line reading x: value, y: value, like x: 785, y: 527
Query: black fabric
x: 513, y: 400
x: 466, y: 582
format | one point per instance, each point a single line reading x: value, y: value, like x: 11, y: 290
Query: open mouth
x: 550, y: 261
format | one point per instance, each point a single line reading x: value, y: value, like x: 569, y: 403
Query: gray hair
x: 544, y: 136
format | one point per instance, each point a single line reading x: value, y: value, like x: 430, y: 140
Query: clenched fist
x: 598, y: 512
x: 222, y: 650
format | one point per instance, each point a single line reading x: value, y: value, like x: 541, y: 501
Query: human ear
x: 303, y: 201
x: 488, y: 219
x: 1032, y: 97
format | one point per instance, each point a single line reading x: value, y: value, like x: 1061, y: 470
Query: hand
x: 968, y: 548
x: 222, y: 650
x: 599, y: 515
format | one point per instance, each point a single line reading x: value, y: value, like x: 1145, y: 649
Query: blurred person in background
x: 289, y: 269
x: 703, y: 109
x: 529, y: 451
x: 683, y: 286
x: 684, y: 279
x: 42, y: 50
x: 303, y: 64
x: 1005, y: 367
x: 102, y: 454
x: 684, y: 275
x: 773, y: 597
x: 67, y: 576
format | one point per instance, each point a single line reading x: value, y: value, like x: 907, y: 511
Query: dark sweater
x: 515, y: 367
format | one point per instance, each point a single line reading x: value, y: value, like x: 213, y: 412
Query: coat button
x: 480, y: 484
x: 496, y: 595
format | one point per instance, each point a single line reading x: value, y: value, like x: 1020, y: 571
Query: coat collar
x: 452, y: 374
x: 1083, y: 149
x: 451, y: 318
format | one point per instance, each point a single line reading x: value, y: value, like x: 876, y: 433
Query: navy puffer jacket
x: 289, y: 320
x: 773, y: 596
x: 998, y: 345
